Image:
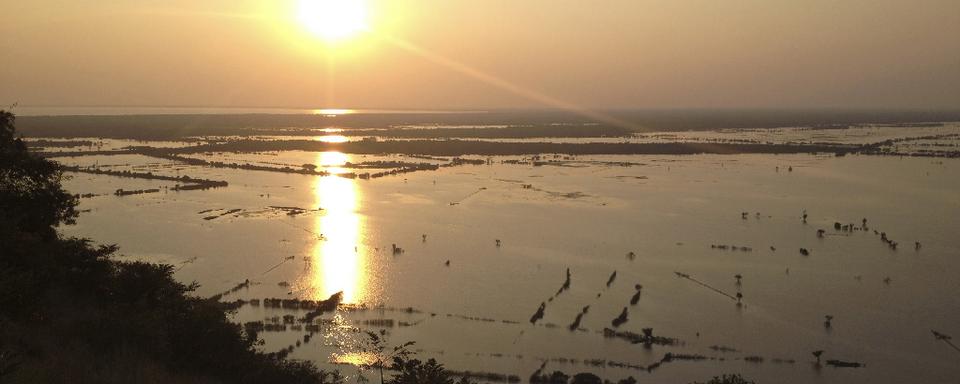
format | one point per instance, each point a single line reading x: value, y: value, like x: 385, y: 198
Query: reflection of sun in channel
x: 333, y: 111
x: 332, y: 161
x: 333, y: 20
x: 338, y: 262
x: 332, y: 139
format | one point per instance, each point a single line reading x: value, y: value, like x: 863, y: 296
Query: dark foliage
x: 31, y: 198
x: 586, y: 378
x: 71, y: 314
x: 413, y: 371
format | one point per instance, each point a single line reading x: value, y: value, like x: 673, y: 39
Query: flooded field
x: 451, y: 192
x: 721, y: 263
x: 930, y: 134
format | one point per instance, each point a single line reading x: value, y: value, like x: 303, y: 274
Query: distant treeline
x: 526, y: 123
x: 469, y: 147
x: 190, y: 183
x: 58, y: 143
x: 510, y: 132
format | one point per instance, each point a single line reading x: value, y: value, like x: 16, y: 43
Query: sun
x: 333, y: 20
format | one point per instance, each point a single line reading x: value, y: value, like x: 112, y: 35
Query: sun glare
x: 333, y: 20
x: 333, y: 111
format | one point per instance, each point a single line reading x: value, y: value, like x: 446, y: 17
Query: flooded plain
x: 458, y: 259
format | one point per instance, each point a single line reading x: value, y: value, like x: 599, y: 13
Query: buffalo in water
x: 539, y: 314
x: 620, y: 319
x: 636, y: 296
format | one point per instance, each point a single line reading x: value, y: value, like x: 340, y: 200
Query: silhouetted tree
x: 586, y: 378
x: 31, y: 197
x: 414, y: 371
x: 376, y: 346
x: 115, y: 319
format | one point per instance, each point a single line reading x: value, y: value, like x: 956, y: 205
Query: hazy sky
x: 432, y: 54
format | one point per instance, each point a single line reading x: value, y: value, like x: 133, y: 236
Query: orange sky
x: 438, y: 54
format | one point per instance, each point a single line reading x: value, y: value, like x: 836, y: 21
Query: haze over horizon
x: 499, y: 54
x: 473, y: 192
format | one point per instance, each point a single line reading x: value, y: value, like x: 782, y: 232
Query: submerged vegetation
x: 508, y: 123
x: 71, y: 313
x: 137, y: 316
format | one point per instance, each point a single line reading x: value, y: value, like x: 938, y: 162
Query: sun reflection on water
x: 353, y: 358
x: 331, y: 139
x: 333, y: 111
x: 339, y: 262
x: 333, y: 162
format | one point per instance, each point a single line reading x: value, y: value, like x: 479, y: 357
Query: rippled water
x: 585, y: 215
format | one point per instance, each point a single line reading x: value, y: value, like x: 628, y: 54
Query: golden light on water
x: 332, y: 159
x: 332, y: 139
x: 339, y: 261
x: 333, y: 111
x: 333, y: 162
x: 354, y: 358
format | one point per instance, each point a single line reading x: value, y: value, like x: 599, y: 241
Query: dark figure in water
x: 576, y: 322
x: 636, y: 298
x: 804, y: 251
x: 648, y: 333
x: 328, y: 305
x: 941, y: 336
x: 945, y: 338
x: 566, y: 283
x: 844, y: 364
x: 620, y: 319
x: 539, y: 314
x: 611, y: 279
x: 827, y: 323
